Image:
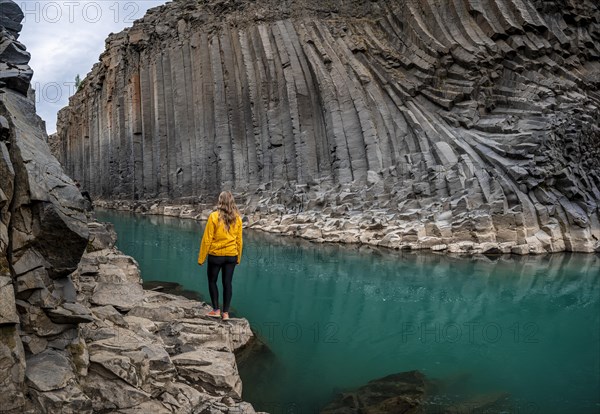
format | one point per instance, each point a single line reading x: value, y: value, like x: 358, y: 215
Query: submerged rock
x: 412, y: 393
x: 404, y: 392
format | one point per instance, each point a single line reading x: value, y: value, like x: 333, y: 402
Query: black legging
x: 216, y: 263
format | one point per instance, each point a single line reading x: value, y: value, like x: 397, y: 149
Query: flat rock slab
x: 70, y: 313
x: 111, y: 395
x: 49, y: 370
x: 120, y: 365
x: 122, y: 296
x: 70, y: 399
x: 214, y: 369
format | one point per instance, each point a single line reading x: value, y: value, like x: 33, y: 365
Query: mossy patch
x: 4, y: 268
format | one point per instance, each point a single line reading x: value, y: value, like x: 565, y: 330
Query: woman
x: 222, y: 243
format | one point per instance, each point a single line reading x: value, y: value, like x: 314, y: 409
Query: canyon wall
x: 459, y: 120
x: 78, y: 334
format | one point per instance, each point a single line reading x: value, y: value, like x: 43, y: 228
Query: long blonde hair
x: 228, y: 211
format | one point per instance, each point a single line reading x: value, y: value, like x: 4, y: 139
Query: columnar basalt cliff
x: 78, y: 334
x: 445, y: 123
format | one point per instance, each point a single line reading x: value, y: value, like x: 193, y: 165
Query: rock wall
x: 43, y: 230
x: 465, y: 121
x: 78, y: 334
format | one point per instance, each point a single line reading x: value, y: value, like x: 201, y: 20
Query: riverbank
x: 341, y: 223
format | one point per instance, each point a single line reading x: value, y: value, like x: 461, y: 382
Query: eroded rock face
x: 469, y: 121
x: 160, y: 352
x: 43, y: 231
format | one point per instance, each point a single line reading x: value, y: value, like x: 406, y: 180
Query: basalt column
x: 482, y: 114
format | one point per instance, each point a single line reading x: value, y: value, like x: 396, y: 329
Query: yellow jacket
x: 220, y: 242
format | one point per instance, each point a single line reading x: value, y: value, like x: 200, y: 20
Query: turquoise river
x: 336, y: 317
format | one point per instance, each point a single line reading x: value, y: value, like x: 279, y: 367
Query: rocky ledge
x: 111, y: 346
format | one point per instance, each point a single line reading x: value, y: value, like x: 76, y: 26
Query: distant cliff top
x: 168, y: 20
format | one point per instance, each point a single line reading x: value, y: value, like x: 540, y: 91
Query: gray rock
x: 34, y: 344
x: 35, y: 321
x: 402, y: 393
x: 102, y: 236
x: 28, y: 262
x: 215, y: 370
x: 14, y: 52
x: 50, y: 370
x: 111, y: 395
x: 34, y: 279
x: 119, y: 365
x: 8, y: 310
x: 11, y: 16
x: 67, y: 400
x: 12, y: 369
x: 147, y: 407
x: 123, y: 296
x: 17, y: 77
x: 109, y: 313
x: 66, y: 290
x: 70, y: 313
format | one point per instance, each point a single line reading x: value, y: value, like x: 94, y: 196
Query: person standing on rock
x: 222, y: 245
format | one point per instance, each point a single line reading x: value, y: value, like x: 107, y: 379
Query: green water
x: 338, y: 316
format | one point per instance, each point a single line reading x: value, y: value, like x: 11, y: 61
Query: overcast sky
x: 65, y: 38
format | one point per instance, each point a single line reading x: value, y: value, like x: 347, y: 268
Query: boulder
x: 11, y: 17
x: 49, y: 370
x: 213, y: 370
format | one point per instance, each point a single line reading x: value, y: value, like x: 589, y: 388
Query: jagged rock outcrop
x: 66, y: 344
x: 146, y: 351
x: 43, y: 230
x: 133, y: 350
x: 467, y: 121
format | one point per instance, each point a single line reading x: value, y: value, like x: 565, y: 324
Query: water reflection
x: 337, y: 316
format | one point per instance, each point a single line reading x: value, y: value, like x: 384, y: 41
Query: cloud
x: 65, y: 39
